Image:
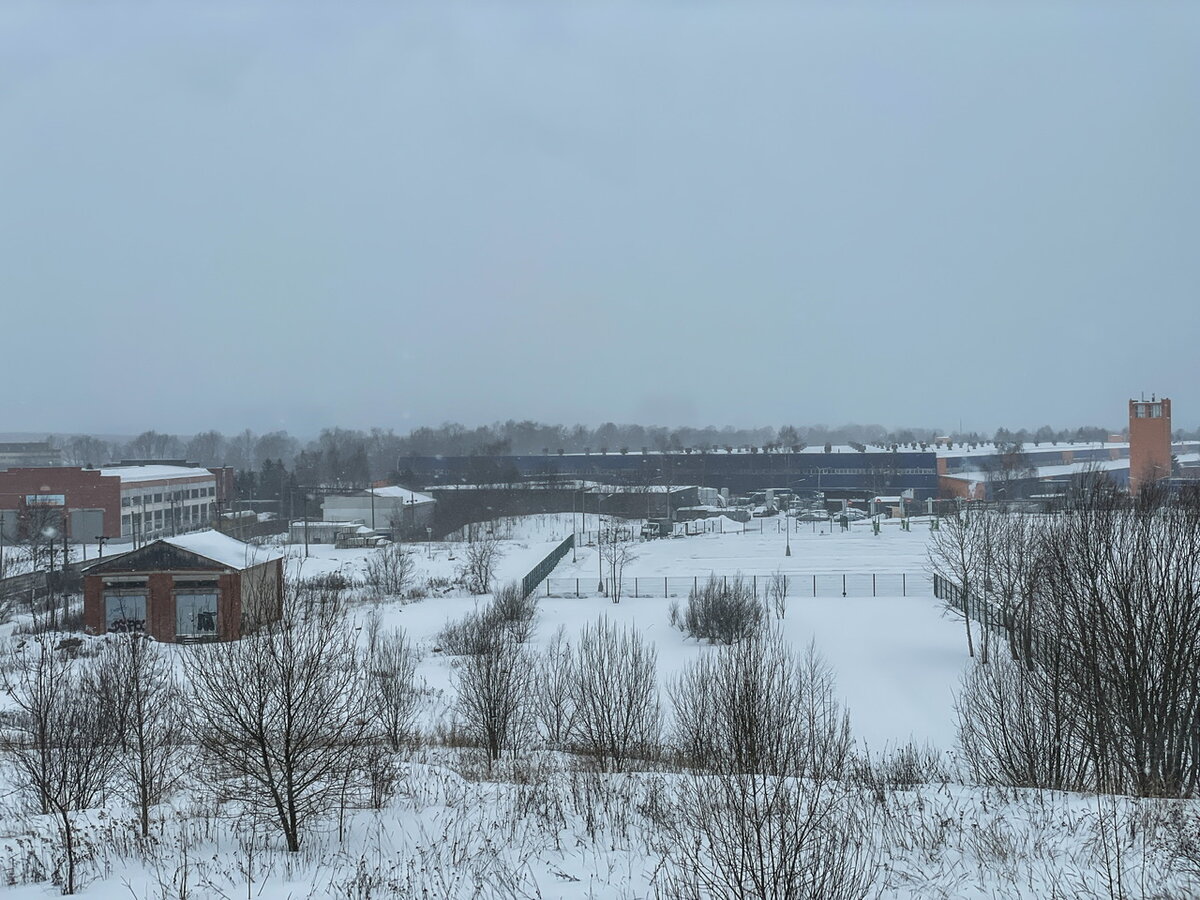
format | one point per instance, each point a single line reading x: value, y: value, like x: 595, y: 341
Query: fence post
x: 872, y: 584
x: 843, y: 584
x: 695, y: 583
x: 903, y: 584
x: 814, y: 585
x: 664, y: 585
x: 635, y: 592
x: 755, y: 583
x: 576, y: 588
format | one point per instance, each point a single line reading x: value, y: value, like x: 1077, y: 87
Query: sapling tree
x: 137, y: 689
x: 283, y: 718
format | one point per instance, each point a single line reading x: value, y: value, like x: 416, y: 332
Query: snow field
x: 544, y: 826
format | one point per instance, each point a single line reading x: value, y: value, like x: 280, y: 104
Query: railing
x: 539, y: 572
x: 842, y: 584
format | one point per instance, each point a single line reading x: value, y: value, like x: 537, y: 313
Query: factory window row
x: 168, y: 496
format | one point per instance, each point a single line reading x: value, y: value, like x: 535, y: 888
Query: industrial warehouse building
x: 843, y: 471
x: 134, y: 503
x: 193, y: 587
x: 393, y: 509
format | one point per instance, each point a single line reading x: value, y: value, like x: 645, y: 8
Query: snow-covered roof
x: 402, y: 493
x: 129, y: 474
x: 990, y: 449
x: 221, y: 548
x: 1057, y: 471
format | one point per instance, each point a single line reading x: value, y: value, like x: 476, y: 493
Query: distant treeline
x: 352, y: 458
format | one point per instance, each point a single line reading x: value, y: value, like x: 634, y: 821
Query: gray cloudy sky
x: 296, y: 215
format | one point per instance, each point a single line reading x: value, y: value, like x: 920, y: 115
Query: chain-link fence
x: 847, y: 584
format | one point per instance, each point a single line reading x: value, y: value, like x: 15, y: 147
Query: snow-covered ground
x: 543, y: 826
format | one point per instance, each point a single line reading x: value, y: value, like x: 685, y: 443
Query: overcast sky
x: 297, y: 215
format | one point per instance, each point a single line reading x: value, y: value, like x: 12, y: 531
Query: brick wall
x: 83, y: 488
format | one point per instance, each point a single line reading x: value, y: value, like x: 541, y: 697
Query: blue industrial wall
x: 879, y: 473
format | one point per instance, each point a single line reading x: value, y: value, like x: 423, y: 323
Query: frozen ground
x: 543, y: 827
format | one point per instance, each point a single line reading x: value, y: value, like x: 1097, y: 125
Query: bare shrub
x: 722, y: 611
x: 479, y: 563
x: 766, y: 809
x: 615, y: 695
x: 510, y: 611
x: 469, y: 635
x: 391, y: 676
x: 494, y: 691
x: 1017, y: 726
x: 390, y: 571
x: 514, y: 611
x: 60, y: 743
x: 554, y: 708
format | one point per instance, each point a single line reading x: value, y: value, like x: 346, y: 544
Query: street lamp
x: 600, y: 542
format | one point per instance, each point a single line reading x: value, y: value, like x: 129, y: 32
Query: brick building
x: 1149, y: 441
x: 200, y: 586
x: 133, y: 503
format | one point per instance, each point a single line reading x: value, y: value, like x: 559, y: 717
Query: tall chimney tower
x: 1149, y: 441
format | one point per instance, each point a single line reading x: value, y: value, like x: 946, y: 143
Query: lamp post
x: 599, y: 543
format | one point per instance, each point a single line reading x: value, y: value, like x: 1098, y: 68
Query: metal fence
x: 842, y: 584
x: 979, y: 610
x: 530, y: 582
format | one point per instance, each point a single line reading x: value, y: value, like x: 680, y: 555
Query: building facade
x: 394, y: 509
x: 1149, y: 442
x: 194, y: 587
x: 841, y: 470
x: 134, y: 503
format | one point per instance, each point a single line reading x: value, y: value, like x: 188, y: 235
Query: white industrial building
x: 394, y: 509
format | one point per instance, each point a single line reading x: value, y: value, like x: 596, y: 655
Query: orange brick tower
x: 1149, y: 441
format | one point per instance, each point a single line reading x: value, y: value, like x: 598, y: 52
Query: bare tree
x: 137, y: 689
x: 616, y: 546
x: 777, y: 593
x: 283, y: 717
x: 1106, y: 625
x: 615, y: 695
x: 60, y: 744
x: 953, y: 554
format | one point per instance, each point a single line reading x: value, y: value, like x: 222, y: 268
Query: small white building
x: 394, y: 509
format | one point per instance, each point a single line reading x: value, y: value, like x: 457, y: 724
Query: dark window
x: 124, y: 612
x: 196, y: 613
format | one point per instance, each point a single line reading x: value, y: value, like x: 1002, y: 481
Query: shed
x: 199, y: 586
